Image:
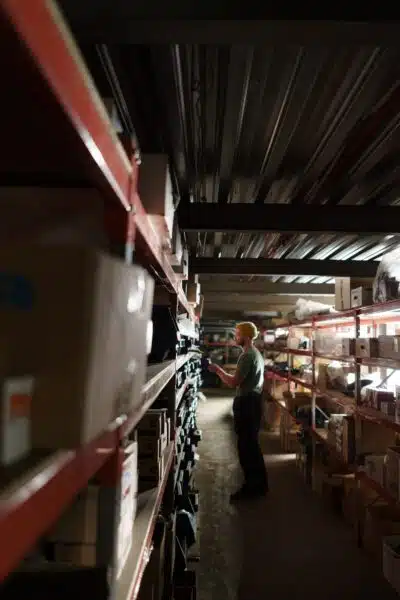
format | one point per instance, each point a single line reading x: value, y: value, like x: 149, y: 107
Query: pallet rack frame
x: 37, y: 32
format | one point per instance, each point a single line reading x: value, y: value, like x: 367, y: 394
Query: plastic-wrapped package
x: 307, y: 308
x: 387, y: 278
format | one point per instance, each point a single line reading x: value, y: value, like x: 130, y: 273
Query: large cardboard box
x: 155, y: 190
x: 361, y: 296
x: 342, y: 293
x: 367, y: 348
x: 75, y: 319
x: 380, y: 520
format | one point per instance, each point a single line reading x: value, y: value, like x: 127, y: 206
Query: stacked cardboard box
x: 374, y: 465
x: 76, y: 538
x: 380, y: 521
x: 341, y: 435
x: 75, y: 320
x: 379, y: 399
x: 153, y: 437
x: 392, y: 471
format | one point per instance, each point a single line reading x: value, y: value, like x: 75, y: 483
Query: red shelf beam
x: 28, y: 512
x: 375, y: 416
x: 364, y: 479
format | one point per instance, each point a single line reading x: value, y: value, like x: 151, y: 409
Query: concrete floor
x: 286, y: 546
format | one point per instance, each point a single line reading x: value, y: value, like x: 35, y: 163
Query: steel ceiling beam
x: 156, y: 22
x: 266, y: 266
x: 285, y: 218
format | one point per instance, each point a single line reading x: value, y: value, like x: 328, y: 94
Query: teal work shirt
x: 250, y: 369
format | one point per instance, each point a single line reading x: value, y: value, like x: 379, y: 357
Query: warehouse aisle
x: 287, y: 546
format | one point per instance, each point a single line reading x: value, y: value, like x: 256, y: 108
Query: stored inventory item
x: 153, y: 438
x: 342, y: 293
x: 155, y: 190
x: 15, y: 418
x: 367, y: 348
x: 361, y: 296
x: 165, y: 337
x: 75, y: 320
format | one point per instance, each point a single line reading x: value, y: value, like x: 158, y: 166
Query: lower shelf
x: 149, y: 503
x: 382, y: 492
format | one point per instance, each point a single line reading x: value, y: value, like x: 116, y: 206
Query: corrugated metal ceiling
x: 270, y: 125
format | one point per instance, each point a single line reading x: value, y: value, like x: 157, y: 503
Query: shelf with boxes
x: 92, y: 156
x: 148, y: 508
x: 80, y: 387
x: 353, y: 452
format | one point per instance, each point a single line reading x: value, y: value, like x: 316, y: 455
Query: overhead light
x: 219, y: 254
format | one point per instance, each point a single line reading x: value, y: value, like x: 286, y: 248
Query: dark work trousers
x: 247, y: 421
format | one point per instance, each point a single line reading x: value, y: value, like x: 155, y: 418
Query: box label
x: 16, y: 291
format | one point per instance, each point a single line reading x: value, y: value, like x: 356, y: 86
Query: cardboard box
x: 348, y: 441
x: 361, y: 296
x: 149, y: 446
x: 153, y: 423
x: 155, y: 189
x: 151, y: 468
x: 380, y: 521
x: 375, y: 467
x: 388, y: 408
x: 389, y: 346
x: 348, y: 346
x: 177, y: 246
x: 342, y: 293
x: 392, y: 466
x: 76, y: 320
x: 124, y: 543
x: 372, y: 439
x: 396, y: 347
x: 78, y: 525
x: 182, y: 269
x: 386, y: 346
x: 367, y: 348
x: 129, y: 482
x: 193, y: 293
x: 391, y: 560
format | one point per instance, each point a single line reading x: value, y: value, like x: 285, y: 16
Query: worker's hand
x: 212, y: 368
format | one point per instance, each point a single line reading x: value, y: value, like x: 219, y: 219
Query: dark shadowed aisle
x: 287, y: 546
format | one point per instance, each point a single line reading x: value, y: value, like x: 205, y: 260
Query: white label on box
x: 124, y: 543
x: 16, y: 418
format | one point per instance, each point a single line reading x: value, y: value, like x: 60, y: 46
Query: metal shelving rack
x: 375, y: 314
x: 41, y: 56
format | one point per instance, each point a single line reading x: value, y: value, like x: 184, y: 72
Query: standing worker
x: 247, y: 408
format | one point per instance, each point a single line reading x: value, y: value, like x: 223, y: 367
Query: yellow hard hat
x: 247, y: 329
